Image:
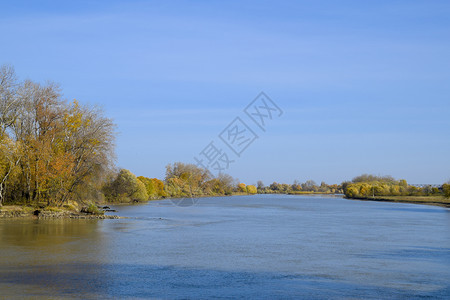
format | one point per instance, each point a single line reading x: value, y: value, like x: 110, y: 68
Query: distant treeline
x: 310, y: 186
x: 182, y: 180
x: 188, y: 180
x: 366, y: 186
x: 53, y: 152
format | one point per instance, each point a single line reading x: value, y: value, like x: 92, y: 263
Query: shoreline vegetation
x: 17, y: 211
x: 385, y: 188
x: 57, y: 158
x: 427, y: 200
x: 359, y: 188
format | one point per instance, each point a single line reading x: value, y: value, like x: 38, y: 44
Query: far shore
x: 19, y: 211
x: 424, y: 200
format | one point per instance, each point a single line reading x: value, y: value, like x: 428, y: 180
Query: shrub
x: 251, y: 189
x: 242, y: 188
x: 125, y: 188
x: 446, y: 189
x: 93, y: 209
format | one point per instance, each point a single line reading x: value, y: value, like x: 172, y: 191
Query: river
x: 260, y: 247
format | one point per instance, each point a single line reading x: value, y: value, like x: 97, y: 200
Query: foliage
x: 296, y: 186
x: 242, y: 188
x: 93, y: 209
x: 376, y: 186
x: 308, y: 186
x: 446, y: 189
x: 222, y: 185
x: 154, y: 187
x: 50, y: 150
x: 372, y: 178
x: 251, y: 189
x: 125, y: 188
x: 188, y: 180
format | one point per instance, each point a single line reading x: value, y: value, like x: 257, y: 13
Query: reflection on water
x: 40, y: 233
x: 147, y: 281
x: 271, y: 246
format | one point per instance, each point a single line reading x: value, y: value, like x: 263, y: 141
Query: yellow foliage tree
x: 251, y: 189
x: 242, y: 188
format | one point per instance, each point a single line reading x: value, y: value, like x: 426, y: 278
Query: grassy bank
x: 309, y: 193
x: 17, y: 211
x: 429, y: 200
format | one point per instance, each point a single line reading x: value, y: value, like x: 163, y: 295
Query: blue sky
x: 364, y: 86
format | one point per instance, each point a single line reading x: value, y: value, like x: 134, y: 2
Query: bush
x: 154, y: 187
x: 446, y: 189
x: 251, y: 189
x: 92, y: 209
x: 125, y: 188
x: 241, y: 188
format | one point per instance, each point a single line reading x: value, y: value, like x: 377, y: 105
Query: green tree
x: 125, y: 188
x: 446, y: 189
x: 275, y: 187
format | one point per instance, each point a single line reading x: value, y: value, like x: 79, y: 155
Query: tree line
x: 366, y: 186
x: 309, y: 186
x: 53, y: 151
x: 181, y: 180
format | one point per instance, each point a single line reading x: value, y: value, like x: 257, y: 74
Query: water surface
x: 262, y: 246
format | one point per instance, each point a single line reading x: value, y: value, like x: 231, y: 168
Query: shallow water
x: 263, y: 246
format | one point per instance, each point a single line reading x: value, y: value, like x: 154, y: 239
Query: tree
x: 55, y: 150
x: 226, y: 183
x: 324, y: 188
x: 159, y: 188
x: 242, y: 188
x: 149, y: 187
x: 153, y: 186
x: 9, y: 102
x: 296, y: 186
x: 125, y: 187
x: 403, y: 183
x: 446, y: 189
x: 251, y: 189
x: 89, y: 139
x: 310, y: 185
x: 8, y: 163
x: 260, y: 185
x: 371, y: 178
x: 185, y: 180
x: 8, y: 114
x: 274, y: 186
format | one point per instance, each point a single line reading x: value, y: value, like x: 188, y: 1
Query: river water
x: 260, y: 247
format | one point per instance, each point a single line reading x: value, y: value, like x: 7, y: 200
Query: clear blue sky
x: 364, y: 85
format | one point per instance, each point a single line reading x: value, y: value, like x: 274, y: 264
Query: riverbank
x: 310, y: 193
x: 426, y: 200
x: 16, y: 211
